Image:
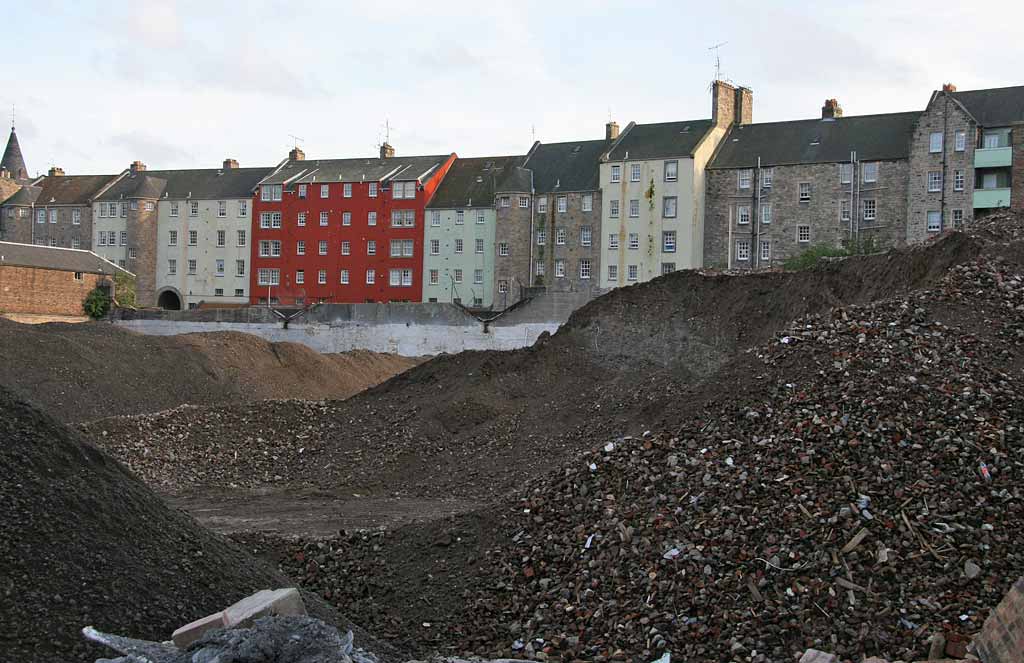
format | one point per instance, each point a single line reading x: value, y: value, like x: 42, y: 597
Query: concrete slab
x: 263, y: 603
x: 191, y: 632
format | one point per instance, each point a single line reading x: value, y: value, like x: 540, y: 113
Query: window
x: 634, y: 241
x: 172, y: 267
x: 76, y: 217
x: 505, y: 201
x: 524, y: 202
x: 303, y: 192
x: 844, y: 210
x: 669, y: 206
x: 869, y: 171
x: 241, y: 238
x: 53, y: 216
x: 403, y: 218
x: 960, y: 141
x: 300, y: 276
x: 743, y: 250
x: 243, y: 208
x: 560, y: 236
x: 112, y: 238
x: 668, y: 241
x: 344, y: 277
x: 613, y: 209
x: 460, y: 217
x: 478, y: 276
x: 958, y: 180
x: 803, y: 234
x: 346, y: 190
x: 300, y: 247
x: 324, y: 190
x: 172, y: 238
x: 270, y: 249
x: 321, y: 277
x: 124, y: 238
x: 435, y: 247
x: 934, y: 222
x: 480, y: 218
x: 767, y: 176
x: 616, y: 173
x: 766, y: 250
x: 407, y: 277
x: 502, y: 286
x: 222, y: 208
x: 239, y: 292
x: 53, y: 242
x: 958, y: 219
x: 173, y: 209
x: 559, y: 269
x: 458, y: 245
x: 135, y: 205
x: 935, y: 142
x: 435, y: 277
x: 265, y: 276
x: 766, y: 213
x: 193, y: 209
x: 563, y: 204
x: 301, y: 219
x: 265, y: 220
x: 743, y: 178
x: 634, y: 172
x: 193, y: 238
x: 346, y: 248
x: 102, y: 239
x: 613, y: 241
x: 632, y: 272
x: 371, y: 247
x: 346, y: 218
x: 396, y: 248
x: 586, y: 235
x: 457, y: 276
x: 76, y: 243
x: 371, y: 277
x: 634, y: 209
x: 435, y: 218
x: 41, y: 216
x: 934, y: 180
x: 613, y: 272
x: 191, y: 266
x: 870, y: 209
x: 218, y: 292
x: 585, y: 268
x: 503, y: 249
x: 667, y: 268
x: 542, y: 205
x: 539, y: 269
x: 479, y: 245
x: 743, y: 214
x: 671, y: 171
x: 323, y: 218
x: 322, y: 247
x: 805, y: 192
x: 845, y: 173
x: 542, y: 238
x: 587, y: 202
x: 220, y: 267
x: 239, y: 268
x: 222, y: 238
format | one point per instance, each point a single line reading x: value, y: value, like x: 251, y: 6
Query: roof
x: 573, y: 166
x: 8, y: 188
x: 70, y: 189
x: 199, y: 184
x: 53, y: 257
x: 13, y: 160
x: 660, y: 140
x: 310, y: 171
x: 25, y: 196
x: 473, y: 182
x: 873, y: 137
x: 995, y: 107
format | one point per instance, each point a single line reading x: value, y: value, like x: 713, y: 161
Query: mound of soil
x: 86, y: 543
x: 81, y: 372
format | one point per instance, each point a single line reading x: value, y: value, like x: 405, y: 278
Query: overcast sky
x: 187, y: 83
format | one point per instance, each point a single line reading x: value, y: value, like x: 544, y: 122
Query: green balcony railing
x: 989, y: 198
x: 993, y: 157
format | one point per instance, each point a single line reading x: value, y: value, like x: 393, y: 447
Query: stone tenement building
x: 459, y: 233
x: 774, y: 189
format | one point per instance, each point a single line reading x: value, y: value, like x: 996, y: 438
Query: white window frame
x: 321, y: 277
x: 960, y: 141
x: 870, y: 209
x: 322, y: 247
x: 587, y: 202
x: 524, y: 202
x: 635, y: 171
x: 844, y: 210
x: 766, y: 213
x: 934, y: 181
x: 503, y: 249
x: 371, y: 277
x: 671, y: 170
x: 613, y: 209
x: 300, y: 247
x: 613, y: 241
x: 172, y: 267
x: 632, y: 273
x: 743, y: 250
x: 743, y: 215
x: 542, y: 237
x: 935, y: 142
x: 744, y: 178
x: 372, y: 190
x: 634, y: 241
x: 616, y: 173
x: 959, y: 179
x: 665, y: 200
x: 478, y: 245
x: 634, y: 208
x: 804, y: 187
x: 801, y: 230
x: 766, y: 250
x: 458, y: 245
x: 933, y: 215
x: 324, y: 218
x: 193, y: 209
x: 300, y: 276
x: 586, y: 235
x: 562, y: 204
x: 325, y: 191
x: 560, y: 236
x: 845, y: 173
x: 222, y: 209
x: 668, y: 241
x: 371, y: 219
x: 542, y: 204
x: 767, y: 177
x: 435, y: 247
x: 613, y: 272
x: 243, y: 208
x: 869, y: 172
x: 560, y: 269
x: 346, y: 190
x: 241, y: 238
x: 193, y: 238
x: 344, y: 277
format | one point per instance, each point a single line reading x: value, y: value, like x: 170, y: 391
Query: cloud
x: 148, y: 148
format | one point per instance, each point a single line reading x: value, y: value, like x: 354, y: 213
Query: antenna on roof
x: 12, y: 117
x: 718, y: 59
x: 296, y: 140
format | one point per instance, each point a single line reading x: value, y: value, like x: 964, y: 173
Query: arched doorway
x: 169, y: 301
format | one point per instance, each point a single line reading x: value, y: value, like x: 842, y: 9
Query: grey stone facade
x: 944, y: 116
x: 1017, y: 173
x: 565, y: 252
x: 512, y: 236
x: 141, y: 225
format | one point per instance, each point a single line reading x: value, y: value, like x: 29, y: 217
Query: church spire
x: 13, y: 161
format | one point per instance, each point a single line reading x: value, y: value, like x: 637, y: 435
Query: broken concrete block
x: 815, y: 656
x: 1002, y: 637
x: 262, y: 604
x: 189, y: 633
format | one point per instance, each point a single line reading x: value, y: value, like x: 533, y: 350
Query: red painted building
x: 342, y: 230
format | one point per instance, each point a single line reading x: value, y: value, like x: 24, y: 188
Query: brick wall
x: 44, y: 291
x: 512, y: 227
x: 1002, y: 637
x: 821, y: 213
x: 1017, y: 172
x: 945, y: 116
x: 573, y: 251
x: 141, y: 226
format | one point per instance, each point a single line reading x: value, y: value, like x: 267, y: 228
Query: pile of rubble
x: 869, y: 498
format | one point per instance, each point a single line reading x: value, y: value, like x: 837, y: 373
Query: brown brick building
x: 50, y: 281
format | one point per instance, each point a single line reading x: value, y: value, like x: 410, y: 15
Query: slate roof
x: 13, y: 160
x: 197, y: 184
x: 8, y: 188
x: 995, y: 107
x: 70, y: 189
x: 474, y: 182
x: 573, y: 166
x: 52, y: 257
x: 874, y: 137
x: 311, y: 171
x: 660, y: 140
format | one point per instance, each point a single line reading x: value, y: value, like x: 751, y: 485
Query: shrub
x: 810, y: 257
x: 124, y: 288
x: 96, y: 304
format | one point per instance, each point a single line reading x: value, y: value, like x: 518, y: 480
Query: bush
x: 96, y: 304
x: 124, y: 288
x: 810, y: 257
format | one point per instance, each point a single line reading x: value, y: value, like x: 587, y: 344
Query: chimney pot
x: 230, y: 164
x: 296, y: 154
x: 386, y: 151
x: 948, y: 87
x: 56, y: 171
x: 744, y: 106
x: 611, y: 130
x: 831, y: 110
x: 137, y: 166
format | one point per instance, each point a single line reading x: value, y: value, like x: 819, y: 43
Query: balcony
x: 993, y: 157
x: 990, y: 198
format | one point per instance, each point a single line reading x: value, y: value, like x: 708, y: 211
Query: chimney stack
x: 56, y: 172
x: 723, y: 104
x: 5, y: 174
x: 296, y: 154
x: 611, y: 130
x: 948, y: 87
x: 386, y: 151
x: 230, y: 164
x: 137, y: 167
x: 744, y: 106
x: 831, y: 110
